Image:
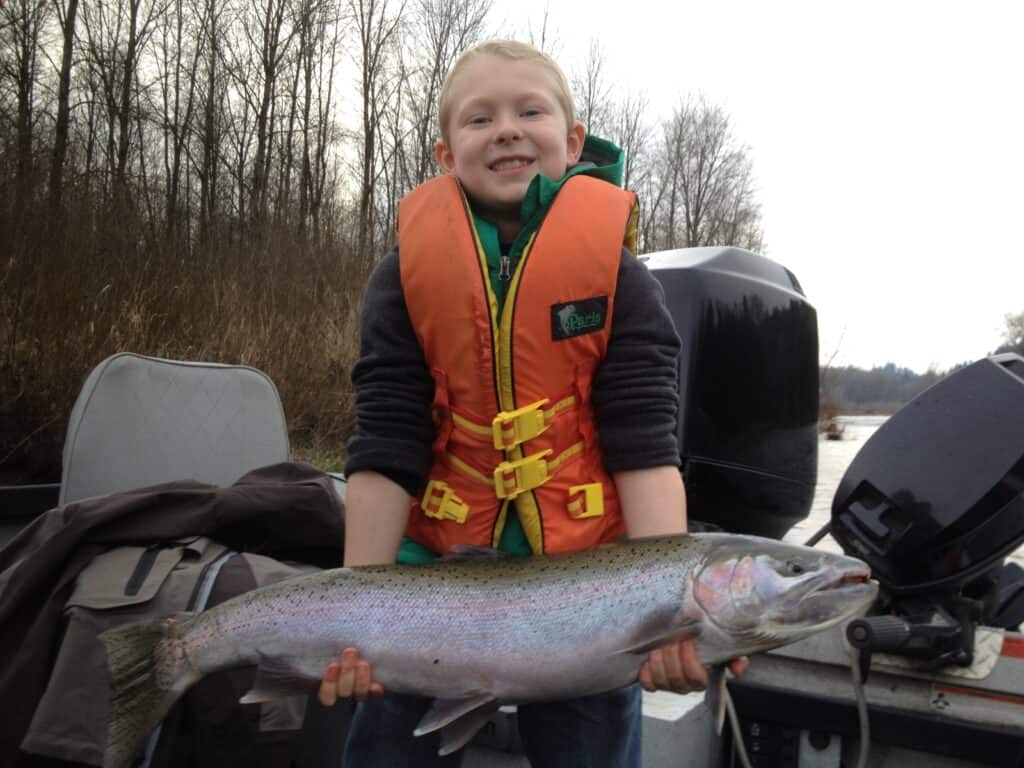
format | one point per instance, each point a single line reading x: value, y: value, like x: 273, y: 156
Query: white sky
x: 887, y: 141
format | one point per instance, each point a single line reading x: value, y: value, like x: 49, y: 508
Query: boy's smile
x: 506, y: 126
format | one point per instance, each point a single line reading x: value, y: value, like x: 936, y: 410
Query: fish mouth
x: 847, y: 577
x: 848, y: 587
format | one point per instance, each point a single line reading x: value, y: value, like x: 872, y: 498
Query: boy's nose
x: 507, y: 129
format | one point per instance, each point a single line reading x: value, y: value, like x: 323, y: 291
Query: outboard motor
x: 934, y: 502
x: 748, y: 384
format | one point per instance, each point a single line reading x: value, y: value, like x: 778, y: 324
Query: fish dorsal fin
x: 715, y: 695
x: 457, y: 719
x: 460, y: 552
x: 276, y: 679
x: 686, y: 630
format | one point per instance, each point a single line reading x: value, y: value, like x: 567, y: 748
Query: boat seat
x: 142, y: 420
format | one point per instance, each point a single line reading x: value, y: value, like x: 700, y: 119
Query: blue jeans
x: 602, y: 731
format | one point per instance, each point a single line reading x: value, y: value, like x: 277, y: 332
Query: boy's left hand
x: 676, y: 667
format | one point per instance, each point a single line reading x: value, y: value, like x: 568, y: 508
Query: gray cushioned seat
x: 142, y: 420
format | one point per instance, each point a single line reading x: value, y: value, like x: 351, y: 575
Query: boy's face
x: 506, y: 126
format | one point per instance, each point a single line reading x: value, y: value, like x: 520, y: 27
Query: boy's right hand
x: 348, y: 678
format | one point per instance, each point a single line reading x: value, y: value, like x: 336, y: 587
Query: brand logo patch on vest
x: 575, y: 318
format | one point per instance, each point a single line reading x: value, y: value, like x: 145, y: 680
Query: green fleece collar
x: 600, y: 159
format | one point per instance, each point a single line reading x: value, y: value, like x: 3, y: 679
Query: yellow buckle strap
x: 589, y: 504
x: 441, y: 502
x: 512, y: 478
x: 510, y: 428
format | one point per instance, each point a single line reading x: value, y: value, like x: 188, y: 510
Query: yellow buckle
x: 448, y: 506
x: 510, y: 428
x: 591, y: 504
x: 522, y: 475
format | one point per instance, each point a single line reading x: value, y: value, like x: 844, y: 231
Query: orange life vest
x: 512, y: 403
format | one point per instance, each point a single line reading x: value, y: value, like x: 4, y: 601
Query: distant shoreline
x: 867, y: 411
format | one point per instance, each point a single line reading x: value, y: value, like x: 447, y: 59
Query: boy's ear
x: 444, y: 156
x: 574, y: 142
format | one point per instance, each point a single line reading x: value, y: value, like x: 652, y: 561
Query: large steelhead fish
x: 475, y: 631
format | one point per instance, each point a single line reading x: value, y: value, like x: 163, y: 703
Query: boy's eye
x: 532, y: 112
x: 479, y: 120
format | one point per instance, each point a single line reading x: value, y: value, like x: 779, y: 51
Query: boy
x: 516, y: 386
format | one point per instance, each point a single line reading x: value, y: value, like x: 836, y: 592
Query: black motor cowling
x: 748, y: 382
x: 936, y: 495
x: 934, y: 502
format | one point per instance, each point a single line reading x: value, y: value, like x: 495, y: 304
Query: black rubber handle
x: 878, y: 633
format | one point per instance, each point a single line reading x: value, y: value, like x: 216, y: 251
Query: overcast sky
x: 887, y: 145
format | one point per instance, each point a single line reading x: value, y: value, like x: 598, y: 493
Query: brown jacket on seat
x: 285, y: 511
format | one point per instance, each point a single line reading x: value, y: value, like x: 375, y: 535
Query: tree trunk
x: 125, y: 101
x: 60, y: 133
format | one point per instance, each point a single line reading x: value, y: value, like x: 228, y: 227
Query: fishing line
x: 862, y: 711
x: 738, y: 748
x: 858, y: 684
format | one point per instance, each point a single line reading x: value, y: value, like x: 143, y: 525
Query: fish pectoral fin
x: 714, y: 696
x: 276, y: 679
x: 686, y: 631
x: 448, y: 713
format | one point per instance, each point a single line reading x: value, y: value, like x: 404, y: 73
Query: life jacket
x: 512, y: 408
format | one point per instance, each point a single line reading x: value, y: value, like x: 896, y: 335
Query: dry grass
x: 76, y: 290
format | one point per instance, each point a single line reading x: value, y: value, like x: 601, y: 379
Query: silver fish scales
x: 475, y: 630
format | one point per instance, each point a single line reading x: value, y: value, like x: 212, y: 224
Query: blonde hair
x: 515, y: 51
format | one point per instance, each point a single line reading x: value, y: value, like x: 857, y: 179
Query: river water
x: 834, y: 456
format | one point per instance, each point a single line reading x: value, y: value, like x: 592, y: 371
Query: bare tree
x: 102, y: 39
x: 140, y: 26
x: 705, y: 194
x: 211, y: 100
x: 441, y: 31
x: 737, y: 219
x: 318, y: 124
x: 21, y: 24
x: 632, y: 134
x: 272, y: 42
x: 1013, y: 336
x: 115, y: 39
x: 377, y: 26
x: 544, y: 38
x: 239, y: 43
x: 593, y: 92
x: 311, y: 30
x: 66, y: 16
x: 181, y: 49
x: 286, y: 146
x: 670, y: 162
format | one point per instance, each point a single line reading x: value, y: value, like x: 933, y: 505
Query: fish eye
x: 795, y: 568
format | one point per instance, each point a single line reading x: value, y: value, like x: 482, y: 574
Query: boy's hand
x: 348, y: 678
x: 676, y: 667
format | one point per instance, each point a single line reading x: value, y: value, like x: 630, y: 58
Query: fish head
x: 757, y: 594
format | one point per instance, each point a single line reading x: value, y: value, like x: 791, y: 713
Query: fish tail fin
x: 148, y: 673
